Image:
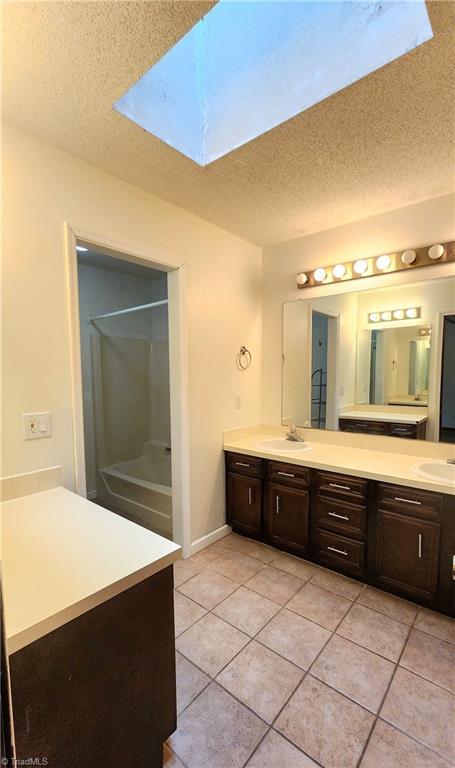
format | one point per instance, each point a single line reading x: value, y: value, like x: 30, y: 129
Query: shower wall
x: 132, y: 405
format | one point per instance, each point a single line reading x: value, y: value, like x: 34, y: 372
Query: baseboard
x: 210, y: 538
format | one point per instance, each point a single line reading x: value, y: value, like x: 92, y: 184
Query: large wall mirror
x: 376, y: 361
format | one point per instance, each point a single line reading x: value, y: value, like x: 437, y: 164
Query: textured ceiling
x: 382, y: 143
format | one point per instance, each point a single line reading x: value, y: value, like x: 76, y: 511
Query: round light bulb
x: 386, y: 315
x: 302, y: 278
x: 339, y: 270
x: 408, y: 257
x: 436, y: 251
x: 398, y: 314
x: 360, y: 266
x: 374, y: 317
x: 411, y: 313
x: 319, y: 274
x: 383, y: 262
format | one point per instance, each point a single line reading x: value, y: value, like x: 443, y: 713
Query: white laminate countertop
x: 62, y: 555
x: 358, y: 462
x: 399, y: 418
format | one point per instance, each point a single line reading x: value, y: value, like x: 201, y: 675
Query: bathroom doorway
x: 324, y: 334
x: 447, y: 396
x: 124, y: 342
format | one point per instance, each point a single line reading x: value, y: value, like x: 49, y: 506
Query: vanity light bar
x: 412, y: 258
x: 386, y: 315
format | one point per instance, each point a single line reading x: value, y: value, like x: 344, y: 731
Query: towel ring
x: 244, y: 358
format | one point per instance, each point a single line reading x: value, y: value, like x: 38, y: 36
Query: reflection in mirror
x: 362, y: 362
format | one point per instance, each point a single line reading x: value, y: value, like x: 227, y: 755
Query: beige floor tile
x: 247, y: 610
x: 436, y: 624
x: 246, y: 546
x: 275, y: 752
x: 211, y: 643
x: 354, y: 671
x: 329, y: 727
x: 422, y: 710
x: 170, y: 760
x: 274, y: 584
x: 319, y: 605
x: 374, y: 631
x: 294, y: 637
x: 390, y: 605
x: 430, y: 657
x: 235, y: 566
x: 339, y: 584
x: 294, y: 565
x: 184, y: 570
x: 190, y: 681
x: 261, y: 680
x: 208, y: 555
x: 216, y: 731
x: 208, y: 588
x: 389, y: 748
x: 186, y: 612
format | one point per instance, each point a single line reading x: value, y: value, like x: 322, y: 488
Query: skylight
x: 246, y: 67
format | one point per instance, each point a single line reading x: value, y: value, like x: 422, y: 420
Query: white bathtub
x: 141, y: 488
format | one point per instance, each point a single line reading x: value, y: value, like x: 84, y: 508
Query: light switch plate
x: 36, y: 425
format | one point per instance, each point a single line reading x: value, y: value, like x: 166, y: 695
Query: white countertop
x: 399, y: 418
x: 62, y: 555
x: 358, y: 462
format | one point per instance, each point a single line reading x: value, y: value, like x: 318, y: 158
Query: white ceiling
x: 382, y: 143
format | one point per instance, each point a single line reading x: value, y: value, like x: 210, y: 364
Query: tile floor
x: 281, y: 664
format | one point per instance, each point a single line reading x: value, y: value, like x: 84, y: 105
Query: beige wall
x: 43, y: 187
x: 415, y: 225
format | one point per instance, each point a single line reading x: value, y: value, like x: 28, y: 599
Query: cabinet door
x: 408, y: 554
x: 287, y: 518
x: 244, y: 511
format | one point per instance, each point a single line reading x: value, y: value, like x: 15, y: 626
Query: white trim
x: 178, y: 349
x: 209, y: 538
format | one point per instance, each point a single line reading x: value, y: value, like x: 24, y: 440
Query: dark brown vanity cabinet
x: 244, y: 494
x: 395, y: 429
x: 408, y: 541
x: 398, y: 538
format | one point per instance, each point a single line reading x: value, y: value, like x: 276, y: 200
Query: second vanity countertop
x: 62, y: 555
x: 358, y: 462
x: 397, y: 418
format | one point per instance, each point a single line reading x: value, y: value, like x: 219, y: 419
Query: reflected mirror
x: 374, y: 361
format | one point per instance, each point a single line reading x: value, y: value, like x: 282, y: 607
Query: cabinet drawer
x: 339, y: 516
x: 423, y: 505
x: 343, y: 487
x: 341, y: 552
x: 244, y: 465
x: 288, y: 474
x: 403, y: 430
x: 367, y: 426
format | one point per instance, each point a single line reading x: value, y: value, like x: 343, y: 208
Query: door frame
x: 178, y: 362
x: 434, y: 389
x: 333, y: 360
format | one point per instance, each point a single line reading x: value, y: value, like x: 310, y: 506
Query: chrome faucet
x: 293, y: 436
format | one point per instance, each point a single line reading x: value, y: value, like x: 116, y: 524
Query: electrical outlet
x: 238, y: 401
x: 342, y: 390
x: 36, y: 425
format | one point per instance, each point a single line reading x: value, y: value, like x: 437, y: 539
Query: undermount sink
x: 440, y: 471
x: 281, y: 445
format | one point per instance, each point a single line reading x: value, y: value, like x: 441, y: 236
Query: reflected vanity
x: 373, y: 361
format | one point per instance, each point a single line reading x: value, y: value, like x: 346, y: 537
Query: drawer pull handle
x: 250, y: 496
x: 453, y: 568
x: 277, y: 505
x: 338, y: 551
x: 408, y: 501
x: 340, y: 517
x: 286, y: 474
x: 241, y: 464
x: 420, y: 546
x: 401, y: 429
x: 343, y: 487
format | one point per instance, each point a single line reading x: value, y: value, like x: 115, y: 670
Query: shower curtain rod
x: 127, y: 311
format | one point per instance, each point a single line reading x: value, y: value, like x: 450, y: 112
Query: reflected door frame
x: 178, y: 364
x: 434, y: 390
x: 333, y: 362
